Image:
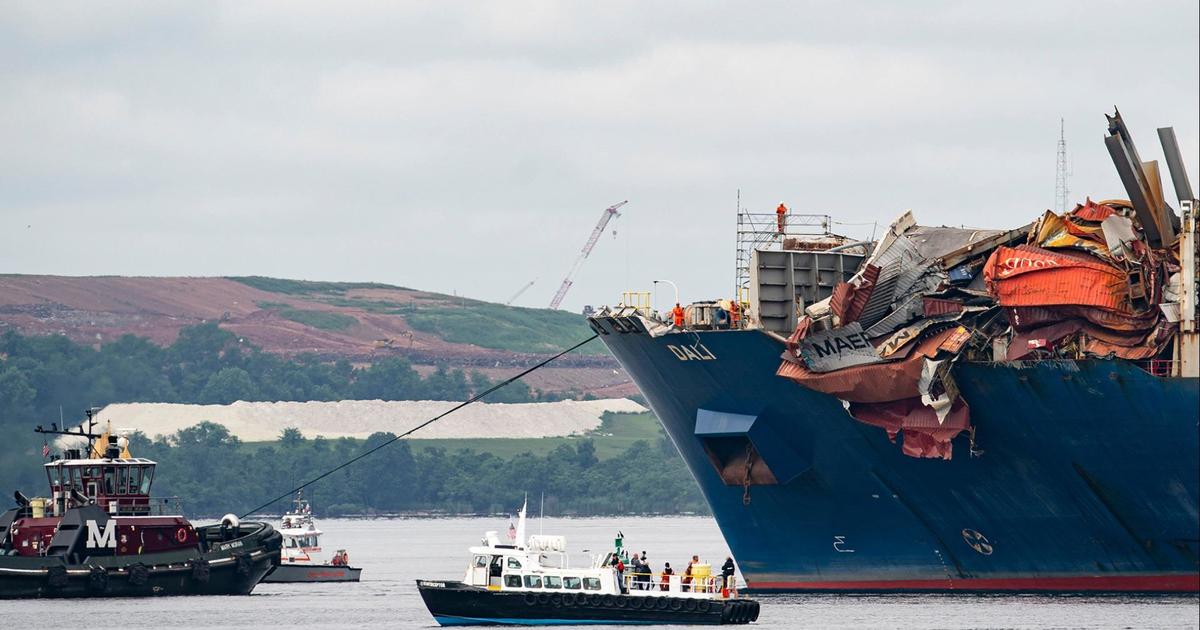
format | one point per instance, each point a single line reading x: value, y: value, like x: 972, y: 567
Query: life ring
x: 181, y: 535
x: 530, y: 599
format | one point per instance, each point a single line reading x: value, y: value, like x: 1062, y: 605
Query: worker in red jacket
x: 677, y: 313
x: 780, y: 213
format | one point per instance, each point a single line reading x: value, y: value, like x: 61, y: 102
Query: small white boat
x: 299, y: 556
x: 529, y: 582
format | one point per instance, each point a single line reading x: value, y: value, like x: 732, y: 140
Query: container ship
x: 946, y: 409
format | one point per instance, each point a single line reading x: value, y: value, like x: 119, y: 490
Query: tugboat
x: 529, y: 583
x: 100, y: 534
x: 301, y: 542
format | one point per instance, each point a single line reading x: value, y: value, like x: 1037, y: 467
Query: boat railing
x: 679, y: 585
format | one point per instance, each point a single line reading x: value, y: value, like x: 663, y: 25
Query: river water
x: 396, y: 552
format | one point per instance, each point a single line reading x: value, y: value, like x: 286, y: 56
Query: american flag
x: 45, y: 449
x: 512, y: 531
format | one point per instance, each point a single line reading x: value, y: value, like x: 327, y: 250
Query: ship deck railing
x: 657, y: 585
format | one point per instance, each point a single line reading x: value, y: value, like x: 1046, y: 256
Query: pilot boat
x: 100, y: 534
x: 529, y: 582
x: 301, y: 544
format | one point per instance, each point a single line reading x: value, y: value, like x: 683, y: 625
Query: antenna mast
x: 1061, y: 192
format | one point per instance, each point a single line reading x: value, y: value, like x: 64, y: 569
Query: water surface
x: 396, y: 552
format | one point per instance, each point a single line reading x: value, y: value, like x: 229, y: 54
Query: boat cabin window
x: 512, y: 581
x: 533, y: 581
x: 571, y: 583
x: 552, y: 581
x: 480, y: 562
x: 591, y: 583
x: 496, y: 567
x: 147, y: 478
x: 513, y: 563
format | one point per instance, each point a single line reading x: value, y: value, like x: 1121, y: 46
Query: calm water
x: 395, y: 552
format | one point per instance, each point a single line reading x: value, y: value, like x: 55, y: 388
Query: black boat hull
x: 232, y: 567
x: 458, y: 604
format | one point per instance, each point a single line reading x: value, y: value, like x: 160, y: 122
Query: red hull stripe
x: 1131, y: 583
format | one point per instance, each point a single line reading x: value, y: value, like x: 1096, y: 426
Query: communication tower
x: 1061, y: 192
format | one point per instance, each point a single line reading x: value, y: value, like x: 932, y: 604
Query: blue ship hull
x: 1084, y: 475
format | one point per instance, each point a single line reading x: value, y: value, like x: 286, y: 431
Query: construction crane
x: 609, y: 214
x: 520, y: 292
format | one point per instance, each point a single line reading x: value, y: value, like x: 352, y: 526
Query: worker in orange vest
x: 735, y: 314
x: 780, y: 213
x: 677, y: 313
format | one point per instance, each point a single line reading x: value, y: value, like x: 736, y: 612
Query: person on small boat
x: 665, y: 579
x: 644, y: 575
x: 687, y: 574
x: 727, y: 572
x: 621, y: 575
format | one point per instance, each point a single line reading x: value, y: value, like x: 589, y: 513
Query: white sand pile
x: 262, y: 421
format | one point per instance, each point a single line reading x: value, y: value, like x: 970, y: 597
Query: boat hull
x: 299, y: 573
x: 232, y: 567
x: 1083, y: 476
x: 458, y: 604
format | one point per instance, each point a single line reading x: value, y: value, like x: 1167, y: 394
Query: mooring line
x: 419, y: 426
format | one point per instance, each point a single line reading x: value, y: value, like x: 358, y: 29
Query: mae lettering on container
x: 838, y: 348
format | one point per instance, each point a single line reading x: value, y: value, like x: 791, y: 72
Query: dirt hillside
x: 361, y: 322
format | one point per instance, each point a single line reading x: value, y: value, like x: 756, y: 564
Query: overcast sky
x: 472, y: 147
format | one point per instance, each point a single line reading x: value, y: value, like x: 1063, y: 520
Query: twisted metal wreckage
x: 1113, y: 278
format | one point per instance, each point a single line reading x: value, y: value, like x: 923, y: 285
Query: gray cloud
x: 471, y: 147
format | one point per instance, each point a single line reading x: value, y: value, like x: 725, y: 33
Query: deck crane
x: 520, y: 292
x: 609, y: 214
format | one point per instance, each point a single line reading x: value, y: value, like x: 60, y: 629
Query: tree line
x: 213, y: 472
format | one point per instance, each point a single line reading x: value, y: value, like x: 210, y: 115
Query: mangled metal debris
x: 1102, y: 280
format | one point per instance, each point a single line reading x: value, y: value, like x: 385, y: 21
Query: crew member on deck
x: 727, y: 573
x: 665, y: 580
x: 781, y: 217
x: 677, y: 314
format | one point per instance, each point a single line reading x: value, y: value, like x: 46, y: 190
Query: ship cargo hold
x: 947, y: 409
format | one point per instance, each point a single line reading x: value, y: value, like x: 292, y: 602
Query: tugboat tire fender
x: 676, y: 604
x: 594, y: 600
x: 530, y: 599
x: 690, y: 605
x: 56, y: 576
x: 610, y: 601
x: 200, y: 570
x: 753, y: 611
x: 543, y: 599
x: 622, y: 602
x: 556, y: 600
x: 98, y: 579
x: 636, y: 602
x: 661, y: 603
x: 727, y: 612
x: 139, y: 574
x: 704, y: 605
